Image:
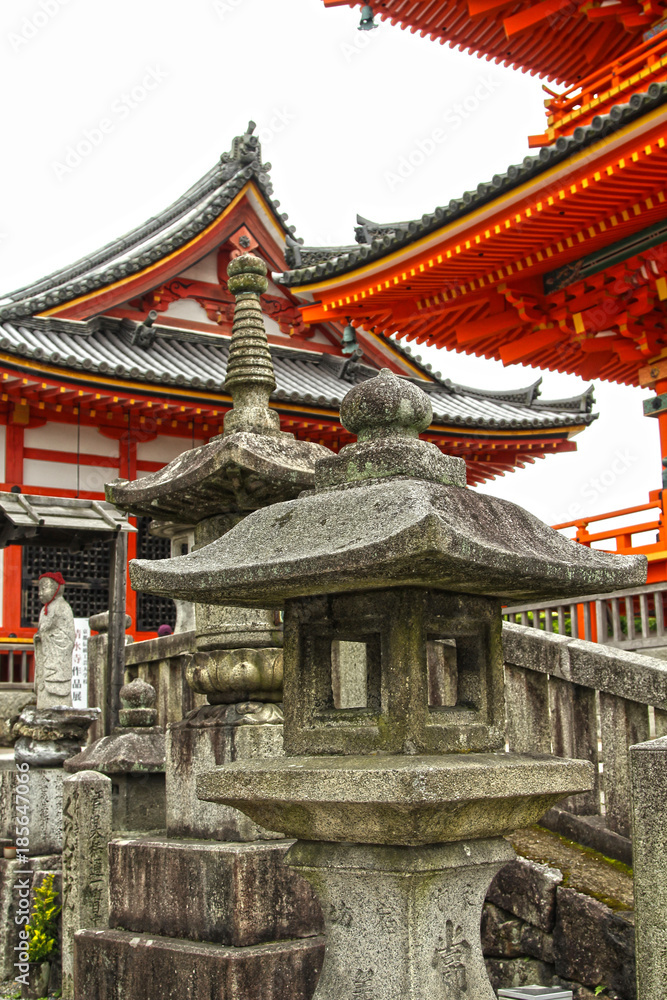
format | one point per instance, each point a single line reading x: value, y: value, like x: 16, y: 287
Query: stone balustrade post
x: 649, y: 820
x: 85, y: 859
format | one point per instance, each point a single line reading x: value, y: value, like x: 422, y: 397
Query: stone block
x: 507, y: 972
x: 117, y: 965
x: 45, y: 794
x: 197, y: 745
x: 528, y: 891
x: 593, y: 945
x: 536, y: 944
x: 139, y: 803
x: 231, y: 894
x: 501, y: 933
x: 86, y: 835
x: 504, y: 936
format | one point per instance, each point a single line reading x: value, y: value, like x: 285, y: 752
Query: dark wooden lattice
x: 152, y: 611
x: 86, y: 574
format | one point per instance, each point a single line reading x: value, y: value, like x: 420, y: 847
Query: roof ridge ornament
x: 245, y: 148
x: 250, y: 377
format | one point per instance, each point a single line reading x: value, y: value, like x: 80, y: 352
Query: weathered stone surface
x: 593, y: 945
x: 56, y: 723
x: 44, y: 793
x: 616, y: 671
x: 138, y: 701
x: 44, y: 753
x: 501, y: 933
x: 397, y: 715
x: 231, y: 894
x: 237, y: 675
x: 265, y: 470
x: 527, y: 890
x: 204, y: 741
x: 396, y: 532
x: 127, y: 751
x: 591, y: 831
x: 12, y: 704
x: 100, y: 622
x: 86, y: 834
x: 115, y: 965
x: 9, y: 903
x: 395, y: 925
x: 518, y: 972
x: 139, y: 803
x: 395, y: 799
x: 537, y: 944
x: 649, y: 793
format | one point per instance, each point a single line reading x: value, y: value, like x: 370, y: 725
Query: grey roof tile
x: 309, y: 264
x: 128, y: 254
x: 199, y: 360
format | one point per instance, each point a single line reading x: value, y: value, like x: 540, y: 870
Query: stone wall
x: 536, y: 930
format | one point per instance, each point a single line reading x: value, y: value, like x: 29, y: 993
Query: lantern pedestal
x: 402, y: 923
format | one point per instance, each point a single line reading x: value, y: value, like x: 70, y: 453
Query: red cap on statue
x: 58, y: 577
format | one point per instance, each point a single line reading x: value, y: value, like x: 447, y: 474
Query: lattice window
x: 86, y: 574
x: 152, y: 611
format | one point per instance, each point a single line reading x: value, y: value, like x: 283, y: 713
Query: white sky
x: 337, y: 110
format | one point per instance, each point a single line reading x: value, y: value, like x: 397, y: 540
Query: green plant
x: 43, y: 926
x: 599, y: 990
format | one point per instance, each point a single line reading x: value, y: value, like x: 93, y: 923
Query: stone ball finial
x: 138, y: 700
x: 386, y: 406
x: 247, y: 273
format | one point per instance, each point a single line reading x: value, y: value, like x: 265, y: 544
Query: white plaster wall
x: 62, y: 437
x: 164, y: 449
x: 205, y: 269
x: 62, y: 476
x: 186, y: 309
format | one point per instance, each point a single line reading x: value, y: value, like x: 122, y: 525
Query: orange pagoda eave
x: 559, y: 263
x: 553, y: 38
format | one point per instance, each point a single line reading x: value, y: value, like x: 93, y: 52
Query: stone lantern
x: 400, y: 802
x: 237, y: 660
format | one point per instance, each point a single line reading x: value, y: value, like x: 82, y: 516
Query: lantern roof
x: 388, y: 511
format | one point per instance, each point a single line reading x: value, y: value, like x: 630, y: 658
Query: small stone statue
x: 54, y: 643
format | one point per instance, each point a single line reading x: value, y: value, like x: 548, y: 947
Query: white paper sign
x: 80, y: 663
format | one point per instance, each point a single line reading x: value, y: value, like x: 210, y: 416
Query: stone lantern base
x: 402, y: 923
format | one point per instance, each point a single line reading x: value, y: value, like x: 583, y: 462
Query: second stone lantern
x: 237, y: 663
x: 399, y: 804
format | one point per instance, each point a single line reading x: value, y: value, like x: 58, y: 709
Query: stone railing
x: 578, y: 699
x: 162, y: 662
x: 628, y: 619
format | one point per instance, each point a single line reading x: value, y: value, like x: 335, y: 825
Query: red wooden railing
x: 622, y: 537
x: 598, y: 92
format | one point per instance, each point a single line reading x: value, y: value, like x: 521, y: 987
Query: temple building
x: 115, y: 365
x: 558, y: 262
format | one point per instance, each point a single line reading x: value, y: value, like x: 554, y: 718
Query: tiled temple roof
x: 188, y: 216
x: 199, y: 361
x: 377, y: 240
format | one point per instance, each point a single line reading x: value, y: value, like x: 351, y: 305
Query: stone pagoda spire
x: 250, y: 379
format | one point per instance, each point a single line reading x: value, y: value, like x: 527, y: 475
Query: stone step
x: 227, y: 893
x: 120, y: 965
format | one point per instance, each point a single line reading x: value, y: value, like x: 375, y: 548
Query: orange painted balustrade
x: 598, y: 92
x: 621, y: 539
